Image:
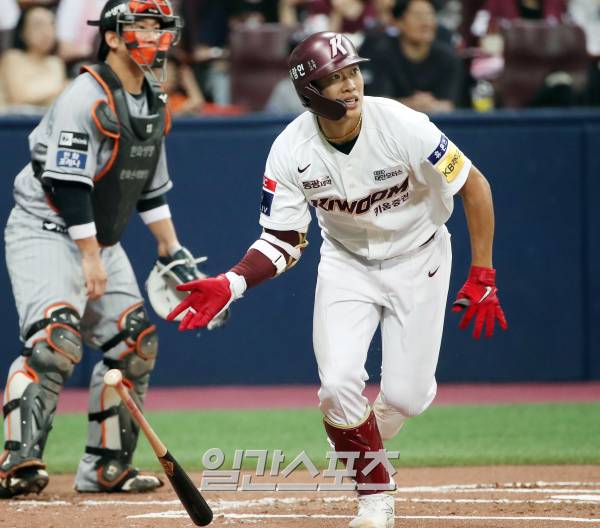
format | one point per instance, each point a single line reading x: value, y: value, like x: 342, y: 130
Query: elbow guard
x: 282, y: 253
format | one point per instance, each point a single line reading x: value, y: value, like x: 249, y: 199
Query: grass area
x: 442, y: 436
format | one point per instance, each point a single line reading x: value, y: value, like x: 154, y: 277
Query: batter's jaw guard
x: 148, y: 48
x: 316, y: 57
x: 362, y: 438
x: 35, y: 381
x: 113, y: 434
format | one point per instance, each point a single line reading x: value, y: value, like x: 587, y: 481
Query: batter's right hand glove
x: 479, y: 298
x: 208, y: 299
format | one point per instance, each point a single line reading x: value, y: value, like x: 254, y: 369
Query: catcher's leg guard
x: 112, y: 433
x: 362, y: 438
x: 34, y: 384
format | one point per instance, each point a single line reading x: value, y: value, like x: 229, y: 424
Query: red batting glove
x: 479, y: 297
x: 208, y: 298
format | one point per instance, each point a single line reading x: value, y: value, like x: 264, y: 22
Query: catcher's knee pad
x: 35, y: 382
x: 134, y: 349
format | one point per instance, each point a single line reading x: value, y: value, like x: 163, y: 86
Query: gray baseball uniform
x: 48, y: 283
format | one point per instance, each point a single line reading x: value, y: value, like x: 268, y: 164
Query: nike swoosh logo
x: 302, y: 170
x: 488, y: 290
x: 432, y: 273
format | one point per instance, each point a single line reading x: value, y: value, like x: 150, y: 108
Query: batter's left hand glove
x: 479, y: 298
x: 170, y: 272
x: 208, y: 299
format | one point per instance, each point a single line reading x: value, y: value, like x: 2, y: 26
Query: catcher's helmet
x: 318, y: 56
x: 119, y: 13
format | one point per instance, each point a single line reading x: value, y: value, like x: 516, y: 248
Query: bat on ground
x: 194, y: 503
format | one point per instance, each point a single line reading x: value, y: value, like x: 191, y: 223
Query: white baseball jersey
x: 69, y: 147
x: 387, y: 197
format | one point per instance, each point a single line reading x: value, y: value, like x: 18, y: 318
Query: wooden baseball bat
x: 194, y: 503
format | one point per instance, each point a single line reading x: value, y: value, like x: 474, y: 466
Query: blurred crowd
x: 432, y: 55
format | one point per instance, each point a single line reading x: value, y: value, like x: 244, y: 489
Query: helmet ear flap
x: 318, y: 103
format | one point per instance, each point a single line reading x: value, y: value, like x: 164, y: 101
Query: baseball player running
x: 381, y: 178
x: 98, y: 153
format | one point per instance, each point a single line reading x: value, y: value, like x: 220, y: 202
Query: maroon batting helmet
x: 318, y: 56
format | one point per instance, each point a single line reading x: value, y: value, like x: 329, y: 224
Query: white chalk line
x: 222, y: 504
x: 260, y: 516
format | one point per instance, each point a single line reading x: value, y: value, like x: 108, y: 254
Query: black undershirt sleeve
x: 72, y: 199
x: 151, y: 203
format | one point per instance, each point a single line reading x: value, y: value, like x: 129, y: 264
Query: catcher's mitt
x: 166, y: 274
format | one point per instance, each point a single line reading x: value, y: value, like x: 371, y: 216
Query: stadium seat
x: 258, y: 62
x: 535, y: 49
x: 6, y: 38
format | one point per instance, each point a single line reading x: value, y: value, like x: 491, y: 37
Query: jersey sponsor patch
x: 386, y: 174
x: 71, y: 160
x: 74, y: 141
x: 268, y: 191
x: 447, y: 159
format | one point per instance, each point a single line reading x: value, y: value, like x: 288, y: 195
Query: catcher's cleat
x: 129, y: 481
x: 23, y: 481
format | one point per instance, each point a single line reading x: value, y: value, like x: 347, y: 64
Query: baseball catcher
x: 98, y: 154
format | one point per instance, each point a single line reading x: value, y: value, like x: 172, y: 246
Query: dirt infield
x: 477, y: 497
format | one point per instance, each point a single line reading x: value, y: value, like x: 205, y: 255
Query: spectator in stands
x: 30, y: 73
x: 593, y: 95
x: 495, y: 11
x: 10, y: 14
x: 343, y: 16
x: 413, y: 67
x: 33, y: 3
x: 76, y: 39
x: 185, y: 96
x: 205, y: 41
x: 384, y: 10
x: 291, y: 12
x: 586, y: 13
x: 254, y: 11
x: 351, y: 16
x: 487, y: 21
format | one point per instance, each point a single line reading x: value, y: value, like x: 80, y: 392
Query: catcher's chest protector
x: 135, y: 156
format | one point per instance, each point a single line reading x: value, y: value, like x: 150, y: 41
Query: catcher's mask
x: 148, y: 47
